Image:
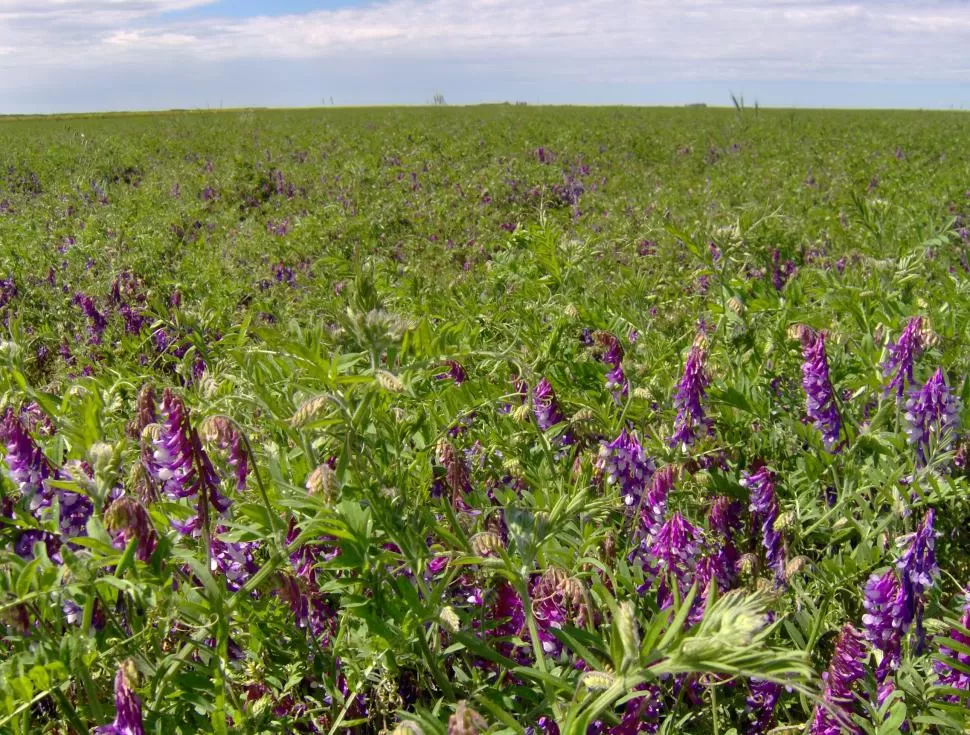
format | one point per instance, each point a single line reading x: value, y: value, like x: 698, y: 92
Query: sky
x: 96, y: 55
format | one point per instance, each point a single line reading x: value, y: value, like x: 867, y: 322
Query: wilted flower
x: 126, y: 519
x: 846, y: 668
x: 128, y: 719
x: 902, y: 357
x: 820, y: 395
x: 623, y: 463
x: 690, y: 393
x: 764, y: 508
x: 932, y: 413
x: 466, y: 721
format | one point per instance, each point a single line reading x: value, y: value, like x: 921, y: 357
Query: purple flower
x: 846, y: 668
x: 947, y: 672
x: 932, y: 413
x: 884, y: 621
x: 183, y: 467
x: 917, y: 571
x: 234, y: 559
x: 128, y: 719
x: 761, y: 701
x: 820, y: 396
x: 623, y: 463
x: 902, y: 356
x: 673, y: 556
x: 547, y: 411
x: 691, y: 391
x: 764, y: 509
x: 655, y: 503
x: 24, y: 545
x: 612, y: 355
x: 97, y: 321
x: 455, y: 372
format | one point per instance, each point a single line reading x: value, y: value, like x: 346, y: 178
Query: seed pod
x: 486, y: 543
x: 389, y: 382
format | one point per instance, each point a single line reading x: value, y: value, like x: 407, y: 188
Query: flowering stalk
x: 691, y: 417
x: 902, y: 357
x: 764, y: 508
x: 932, y: 415
x: 128, y: 717
x: 820, y: 395
x: 884, y: 625
x: 623, y: 463
x: 547, y: 411
x: 917, y: 571
x: 846, y: 668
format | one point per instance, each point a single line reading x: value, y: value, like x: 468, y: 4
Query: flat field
x: 505, y: 419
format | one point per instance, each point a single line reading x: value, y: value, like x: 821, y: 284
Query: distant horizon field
x: 505, y: 419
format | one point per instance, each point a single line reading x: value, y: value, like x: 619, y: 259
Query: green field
x: 595, y: 420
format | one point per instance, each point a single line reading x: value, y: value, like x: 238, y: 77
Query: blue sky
x: 89, y: 55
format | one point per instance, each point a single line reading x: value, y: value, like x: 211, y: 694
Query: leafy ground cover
x: 486, y: 419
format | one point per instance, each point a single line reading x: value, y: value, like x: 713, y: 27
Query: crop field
x: 496, y: 419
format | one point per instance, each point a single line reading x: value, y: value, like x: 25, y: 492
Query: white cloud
x: 605, y: 41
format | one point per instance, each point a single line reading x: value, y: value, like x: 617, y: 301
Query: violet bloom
x: 846, y: 668
x: 654, y: 507
x: 947, y: 672
x: 234, y: 559
x: 547, y: 411
x: 917, y: 571
x: 884, y: 624
x: 623, y: 463
x: 690, y: 392
x: 128, y: 719
x: 820, y: 395
x: 673, y: 556
x: 183, y: 467
x: 764, y: 509
x: 97, y: 321
x: 932, y: 416
x: 902, y: 357
x: 616, y: 381
x: 455, y: 372
x: 761, y: 701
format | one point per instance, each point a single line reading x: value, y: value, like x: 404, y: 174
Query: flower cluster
x: 547, y: 411
x: 932, y: 416
x: 884, y: 624
x: 917, y: 571
x: 820, y: 395
x: 902, y: 357
x: 953, y: 665
x: 128, y: 719
x: 624, y: 463
x: 764, y: 509
x: 846, y: 668
x: 691, y: 418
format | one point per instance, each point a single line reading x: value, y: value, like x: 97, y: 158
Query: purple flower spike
x: 691, y: 391
x: 884, y: 621
x: 761, y: 701
x: 902, y: 357
x: 547, y: 411
x: 127, y: 707
x: 623, y: 463
x: 820, y: 395
x: 932, y: 414
x: 655, y: 503
x: 674, y: 555
x: 948, y: 674
x: 764, y: 508
x: 917, y: 570
x: 183, y: 467
x: 846, y: 668
x: 29, y: 468
x: 127, y: 519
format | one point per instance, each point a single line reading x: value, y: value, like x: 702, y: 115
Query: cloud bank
x: 568, y: 45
